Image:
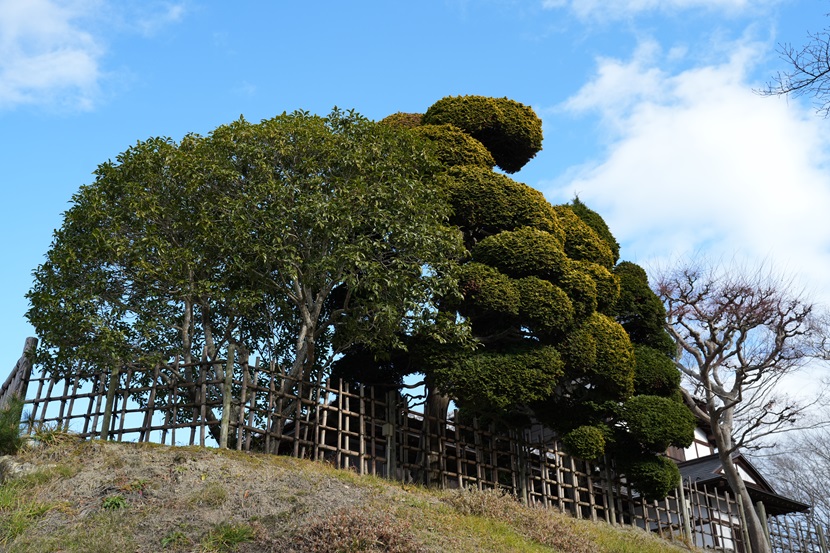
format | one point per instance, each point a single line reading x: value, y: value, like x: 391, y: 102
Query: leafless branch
x: 809, y: 73
x: 739, y: 333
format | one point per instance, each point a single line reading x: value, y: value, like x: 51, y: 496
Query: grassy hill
x: 92, y: 496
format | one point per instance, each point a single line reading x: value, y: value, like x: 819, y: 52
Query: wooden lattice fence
x: 251, y: 407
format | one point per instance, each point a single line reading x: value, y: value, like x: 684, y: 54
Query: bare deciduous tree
x: 738, y: 335
x: 808, y: 73
x: 802, y: 471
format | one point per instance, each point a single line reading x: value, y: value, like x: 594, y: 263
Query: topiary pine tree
x: 565, y: 335
x: 509, y: 130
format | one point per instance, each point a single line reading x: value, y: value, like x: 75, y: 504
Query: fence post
x: 609, y: 492
x: 26, y: 367
x: 744, y: 529
x: 389, y: 433
x: 522, y: 461
x: 226, y: 399
x: 361, y: 431
x: 683, y: 513
x: 240, y: 419
x: 18, y: 380
x: 762, y: 514
x: 821, y: 540
x: 113, y: 384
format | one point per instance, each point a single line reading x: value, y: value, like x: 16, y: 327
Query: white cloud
x: 614, y: 93
x: 151, y: 17
x: 614, y: 9
x: 45, y: 55
x: 51, y: 50
x: 698, y: 162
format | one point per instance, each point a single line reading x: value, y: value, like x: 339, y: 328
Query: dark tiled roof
x: 707, y: 470
x: 701, y: 470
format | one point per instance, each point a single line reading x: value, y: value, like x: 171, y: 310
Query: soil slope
x: 66, y: 495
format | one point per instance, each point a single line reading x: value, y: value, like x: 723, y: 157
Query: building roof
x: 709, y: 471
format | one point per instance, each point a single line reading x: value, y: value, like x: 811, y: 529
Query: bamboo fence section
x: 231, y: 403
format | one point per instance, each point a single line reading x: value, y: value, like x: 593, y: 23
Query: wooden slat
x: 331, y: 420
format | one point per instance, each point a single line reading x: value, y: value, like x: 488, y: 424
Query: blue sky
x: 648, y: 106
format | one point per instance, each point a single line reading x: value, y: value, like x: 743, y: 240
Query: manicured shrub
x: 579, y: 352
x: 640, y: 311
x: 615, y: 356
x: 486, y: 203
x: 599, y: 353
x: 581, y: 242
x: 654, y: 373
x: 545, y: 307
x: 582, y: 290
x: 498, y: 381
x: 401, y: 119
x: 454, y: 147
x: 523, y: 252
x: 597, y: 223
x: 486, y: 291
x: 510, y: 130
x: 608, y: 284
x: 659, y: 422
x: 585, y: 442
x: 654, y: 477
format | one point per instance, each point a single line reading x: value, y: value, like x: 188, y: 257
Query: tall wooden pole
x: 18, y: 379
x: 113, y: 384
x: 683, y: 512
x: 226, y: 399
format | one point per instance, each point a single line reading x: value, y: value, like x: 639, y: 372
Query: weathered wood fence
x: 250, y: 407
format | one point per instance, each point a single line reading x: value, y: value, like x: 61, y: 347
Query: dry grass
x: 537, y: 525
x: 198, y: 500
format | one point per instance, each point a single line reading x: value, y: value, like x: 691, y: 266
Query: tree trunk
x: 754, y: 528
x: 437, y: 404
x: 435, y: 409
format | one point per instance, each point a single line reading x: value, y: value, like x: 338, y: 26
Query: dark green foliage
x: 485, y: 203
x: 579, y: 351
x: 608, y: 284
x: 246, y: 234
x: 523, y: 252
x: 405, y: 120
x: 655, y: 373
x: 553, y: 320
x: 510, y: 130
x: 544, y: 307
x: 614, y: 367
x: 485, y: 381
x: 10, y: 414
x: 361, y: 365
x: 655, y: 477
x: 486, y: 291
x: 581, y: 242
x: 427, y: 349
x: 659, y: 422
x: 582, y: 289
x: 586, y: 442
x: 640, y: 311
x: 600, y: 351
x: 454, y: 147
x: 597, y: 223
